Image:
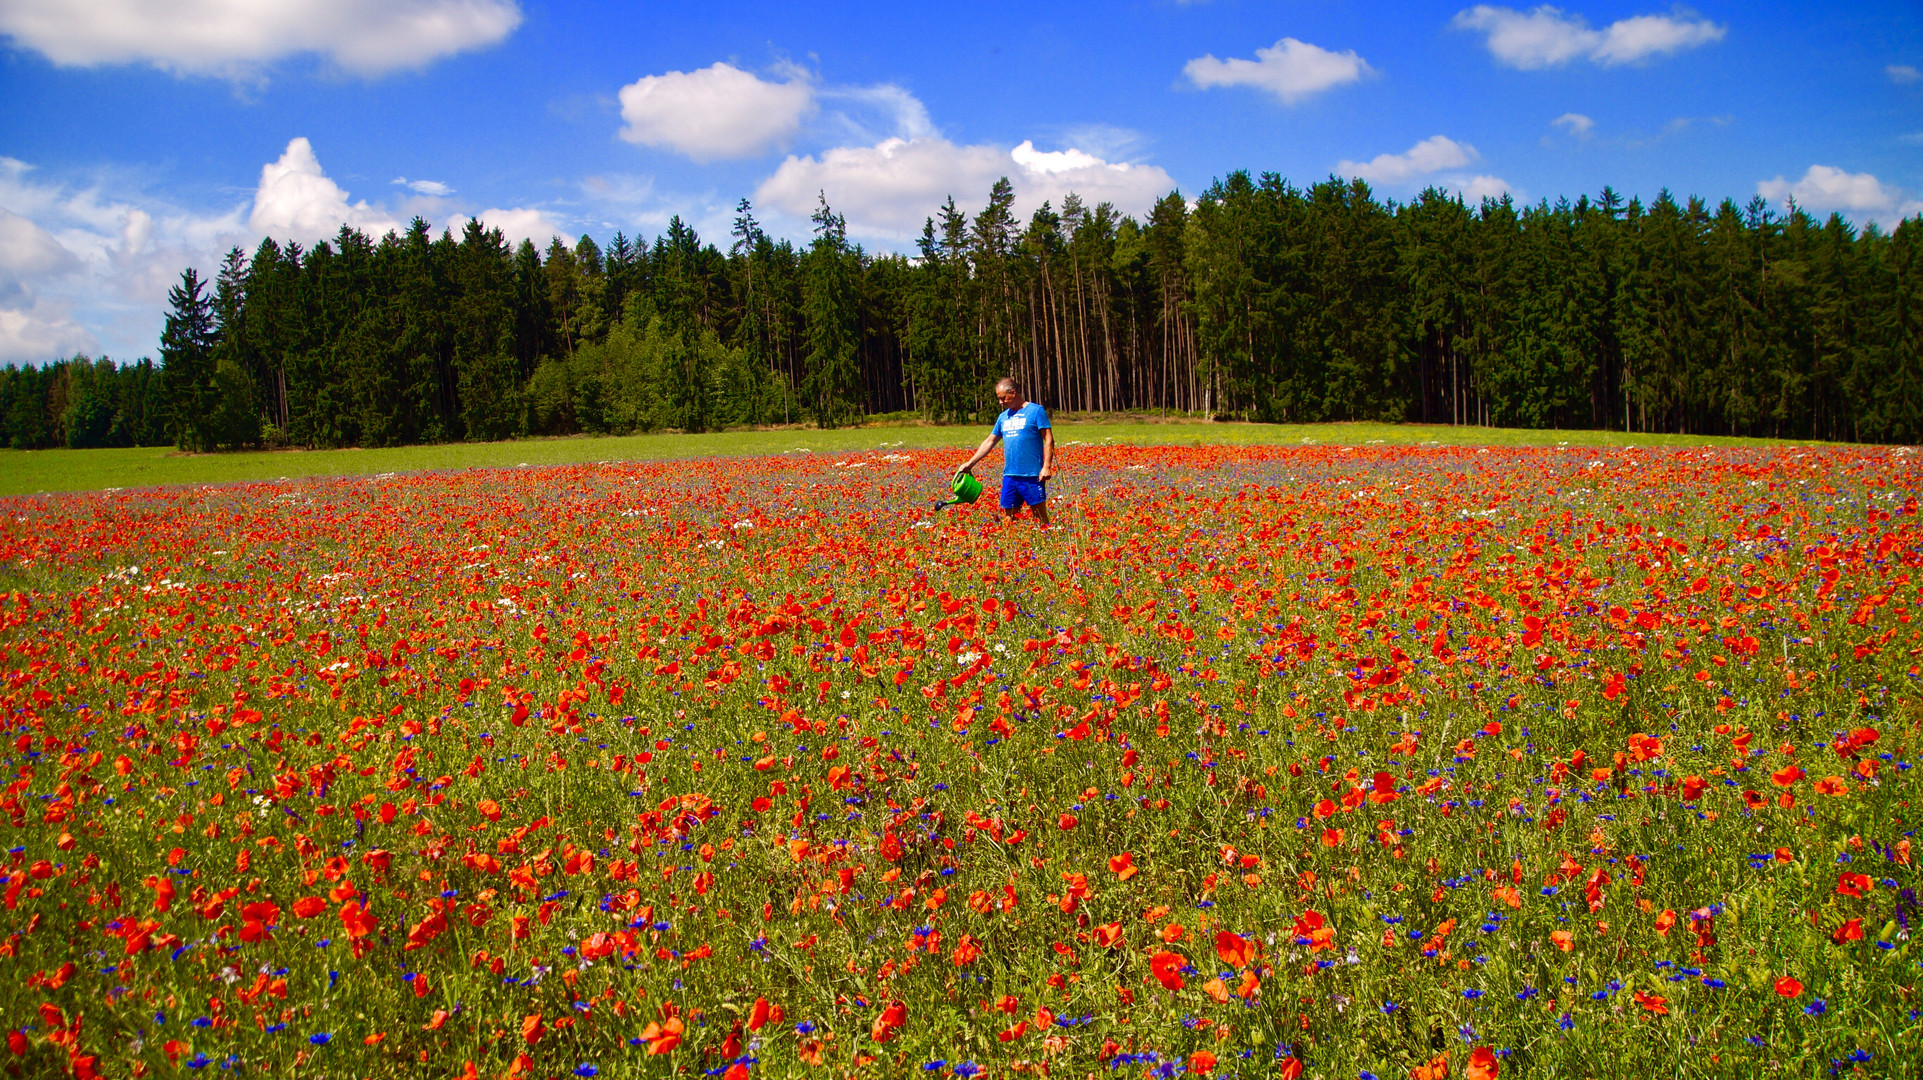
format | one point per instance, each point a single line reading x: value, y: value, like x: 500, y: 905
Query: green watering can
x: 966, y: 488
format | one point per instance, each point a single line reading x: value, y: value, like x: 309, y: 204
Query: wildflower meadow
x: 1340, y: 762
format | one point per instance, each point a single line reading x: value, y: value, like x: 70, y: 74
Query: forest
x: 1260, y: 300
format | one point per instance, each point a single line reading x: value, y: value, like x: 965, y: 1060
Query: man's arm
x: 1048, y: 454
x: 980, y: 453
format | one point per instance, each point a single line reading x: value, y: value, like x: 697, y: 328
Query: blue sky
x: 142, y: 136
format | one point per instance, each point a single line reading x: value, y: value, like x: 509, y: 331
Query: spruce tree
x: 829, y: 301
x: 186, y: 356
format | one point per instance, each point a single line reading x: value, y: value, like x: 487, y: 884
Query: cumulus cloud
x: 518, y: 224
x: 1826, y: 188
x: 431, y: 188
x: 1902, y: 73
x: 1433, y: 154
x: 41, y: 332
x: 32, y: 328
x: 86, y: 267
x: 1574, y: 123
x: 1545, y: 36
x: 81, y: 270
x: 1474, y: 189
x: 1289, y: 69
x: 237, y: 37
x: 27, y: 251
x: 297, y: 201
x: 887, y: 190
x: 715, y: 112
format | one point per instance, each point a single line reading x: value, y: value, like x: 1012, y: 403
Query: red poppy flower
x: 889, y: 1023
x: 1167, y: 969
x: 357, y: 920
x: 1234, y: 949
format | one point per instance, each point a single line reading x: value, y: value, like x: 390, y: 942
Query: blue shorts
x: 1017, y: 490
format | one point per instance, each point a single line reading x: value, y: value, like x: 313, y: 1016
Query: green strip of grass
x: 29, y: 472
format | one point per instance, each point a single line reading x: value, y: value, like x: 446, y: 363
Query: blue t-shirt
x: 1021, y: 433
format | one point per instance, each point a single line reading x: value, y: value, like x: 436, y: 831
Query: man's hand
x: 1047, y: 471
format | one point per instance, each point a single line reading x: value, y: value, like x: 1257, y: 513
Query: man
x: 1028, y: 456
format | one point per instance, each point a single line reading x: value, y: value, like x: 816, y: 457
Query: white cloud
x: 1575, y: 123
x: 27, y: 250
x: 1825, y: 188
x: 1474, y: 189
x: 1546, y: 37
x: 297, y: 201
x: 887, y: 190
x: 1052, y: 161
x: 32, y: 327
x: 431, y: 188
x: 87, y: 267
x: 1133, y: 188
x: 715, y: 112
x: 517, y: 224
x: 41, y: 332
x: 1433, y: 154
x: 236, y: 37
x: 1289, y: 69
x: 82, y: 271
x: 869, y: 114
x: 1902, y: 73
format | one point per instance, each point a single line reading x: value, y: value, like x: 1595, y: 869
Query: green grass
x: 29, y: 472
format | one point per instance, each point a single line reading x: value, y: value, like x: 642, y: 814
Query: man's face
x: 1007, y: 397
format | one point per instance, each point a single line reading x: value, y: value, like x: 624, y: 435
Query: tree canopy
x: 1258, y: 300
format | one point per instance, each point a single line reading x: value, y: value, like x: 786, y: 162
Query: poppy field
x: 1324, y: 762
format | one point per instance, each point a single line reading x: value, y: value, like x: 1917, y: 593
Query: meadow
x: 31, y: 472
x: 1360, y: 761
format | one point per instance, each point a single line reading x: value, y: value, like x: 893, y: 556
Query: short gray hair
x: 1013, y: 384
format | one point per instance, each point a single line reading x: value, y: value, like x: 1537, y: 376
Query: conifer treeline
x: 1260, y: 301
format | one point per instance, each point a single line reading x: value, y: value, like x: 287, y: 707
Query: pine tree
x: 829, y: 301
x: 236, y: 418
x: 186, y: 356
